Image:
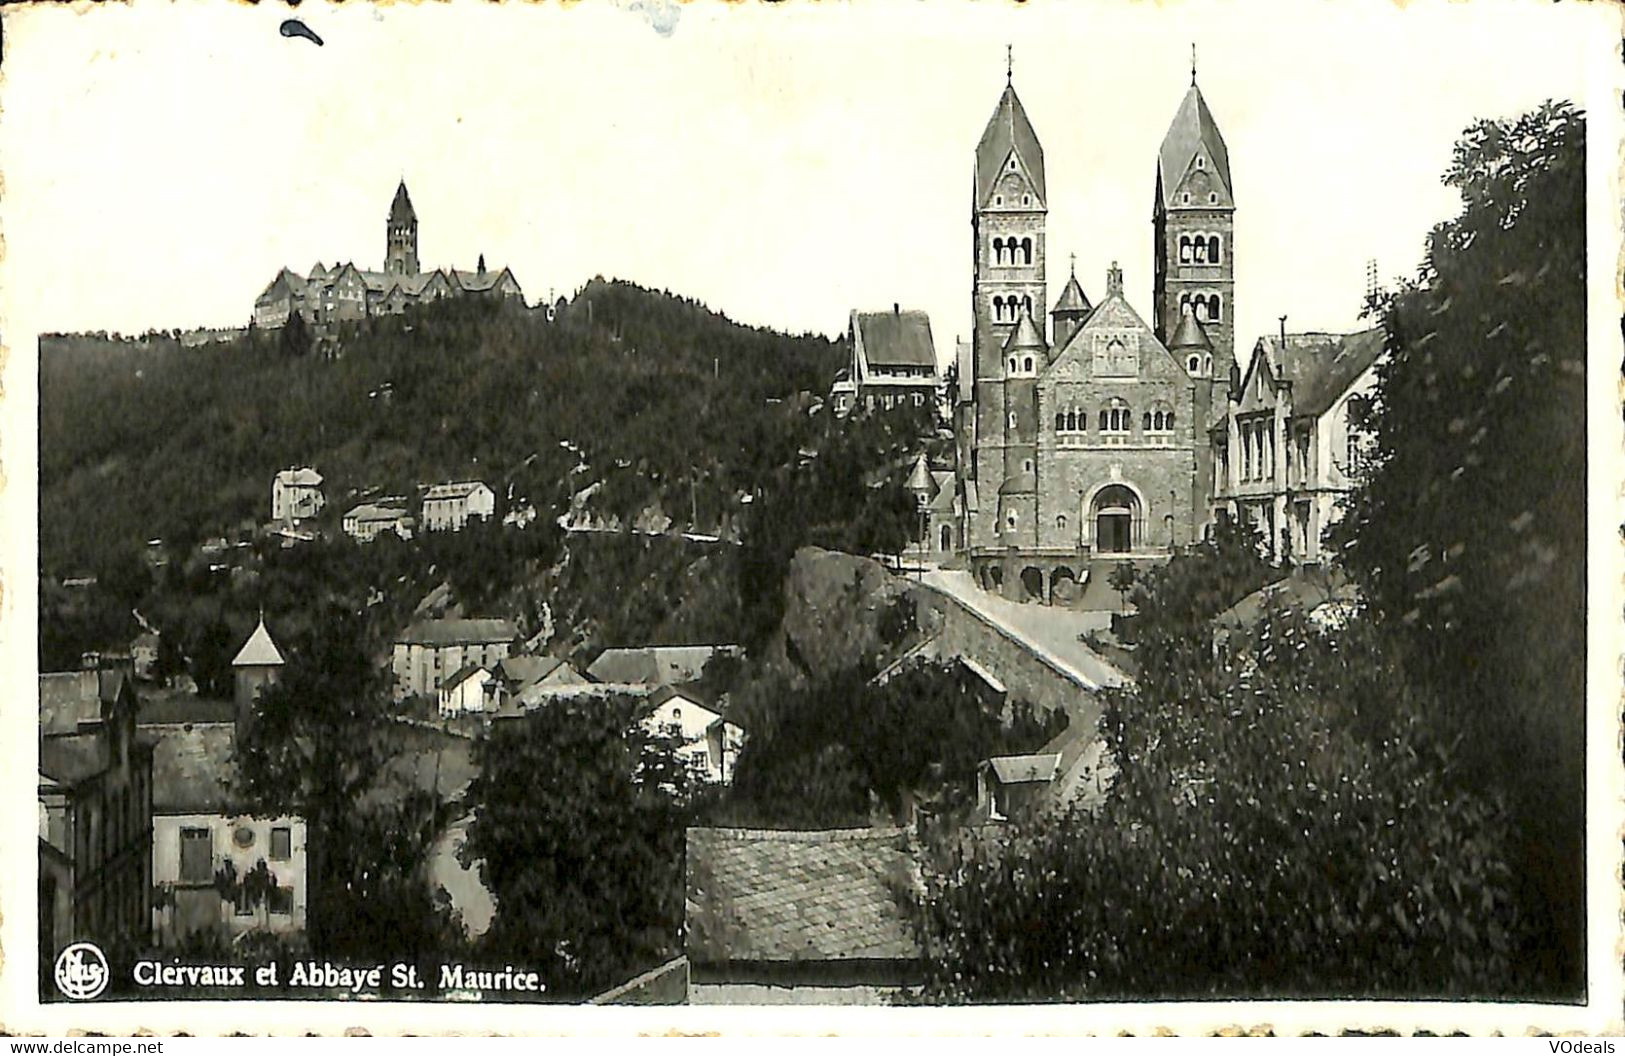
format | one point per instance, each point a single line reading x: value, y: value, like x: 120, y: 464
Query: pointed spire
x: 1026, y: 336
x: 1008, y: 132
x: 1192, y: 132
x: 259, y: 650
x: 1189, y: 333
x: 1073, y: 301
x: 400, y: 210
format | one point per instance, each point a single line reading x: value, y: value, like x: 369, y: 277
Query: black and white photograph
x: 632, y: 514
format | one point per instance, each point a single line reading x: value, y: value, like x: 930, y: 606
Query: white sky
x: 782, y: 165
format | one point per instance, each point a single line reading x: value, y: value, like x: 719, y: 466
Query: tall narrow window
x: 1213, y: 254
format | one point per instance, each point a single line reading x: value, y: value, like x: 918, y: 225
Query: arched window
x: 1026, y: 251
x: 1012, y: 364
x: 1184, y: 302
x: 1103, y: 420
x: 1194, y: 365
x: 1168, y: 421
x: 1145, y: 422
x: 1026, y: 306
x: 1010, y: 519
x: 1199, y: 251
x: 1026, y: 465
x: 998, y: 199
x: 1026, y: 199
x: 1185, y: 199
x: 1208, y: 364
x: 1214, y: 309
x: 1027, y: 364
x: 1184, y: 249
x: 1012, y: 419
x: 1200, y: 161
x: 1071, y: 421
x: 1060, y: 421
x: 1060, y: 522
x: 1213, y: 254
x: 1213, y: 198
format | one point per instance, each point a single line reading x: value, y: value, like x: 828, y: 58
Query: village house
x: 202, y: 836
x: 785, y: 917
x: 472, y: 690
x: 429, y: 652
x: 710, y: 742
x: 296, y: 494
x: 522, y: 672
x: 1292, y: 441
x: 95, y: 813
x: 894, y: 363
x: 448, y: 507
x: 1072, y: 768
x: 366, y: 522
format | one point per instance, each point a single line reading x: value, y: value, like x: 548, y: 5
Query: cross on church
x: 1193, y: 62
x: 1009, y: 63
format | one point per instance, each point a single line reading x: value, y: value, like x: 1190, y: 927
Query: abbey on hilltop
x: 344, y: 291
x: 1085, y: 442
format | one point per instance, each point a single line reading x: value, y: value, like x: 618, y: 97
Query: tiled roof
x: 192, y: 768
x: 1193, y: 128
x: 477, y: 282
x: 259, y: 650
x: 896, y: 338
x: 1008, y: 129
x: 756, y: 895
x: 1189, y: 333
x: 1072, y: 298
x: 458, y: 632
x: 458, y: 489
x: 1026, y: 335
x: 1018, y: 769
x: 655, y: 665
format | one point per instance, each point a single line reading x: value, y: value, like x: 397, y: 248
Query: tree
x: 317, y: 748
x: 578, y: 824
x: 295, y: 339
x: 1283, y: 826
x: 1468, y: 534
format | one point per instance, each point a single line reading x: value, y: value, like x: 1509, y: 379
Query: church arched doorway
x: 1117, y: 518
x: 947, y: 538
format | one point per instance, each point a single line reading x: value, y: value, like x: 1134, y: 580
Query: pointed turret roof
x: 1026, y: 335
x: 1189, y: 333
x: 400, y: 210
x: 1193, y: 129
x: 920, y: 479
x: 259, y: 650
x: 1008, y: 129
x: 1073, y: 299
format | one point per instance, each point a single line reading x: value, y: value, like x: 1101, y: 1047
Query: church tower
x: 401, y: 249
x: 1008, y: 290
x: 258, y: 664
x: 1193, y: 223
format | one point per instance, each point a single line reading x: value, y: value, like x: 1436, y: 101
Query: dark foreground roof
x: 771, y: 896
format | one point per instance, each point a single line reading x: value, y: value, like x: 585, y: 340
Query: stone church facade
x: 1085, y: 443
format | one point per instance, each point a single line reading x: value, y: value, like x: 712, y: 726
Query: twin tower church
x: 1089, y: 437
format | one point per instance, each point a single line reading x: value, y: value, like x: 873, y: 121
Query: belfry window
x: 1194, y: 365
x: 1027, y: 364
x: 1213, y: 254
x: 1184, y: 249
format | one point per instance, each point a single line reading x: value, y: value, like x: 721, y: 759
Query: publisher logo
x: 81, y: 971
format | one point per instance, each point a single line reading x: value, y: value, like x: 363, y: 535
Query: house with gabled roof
x: 800, y: 917
x: 429, y: 652
x: 893, y: 364
x: 1294, y: 440
x: 449, y: 506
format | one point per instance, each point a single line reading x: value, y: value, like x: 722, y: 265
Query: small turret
x: 258, y: 664
x: 1071, y: 310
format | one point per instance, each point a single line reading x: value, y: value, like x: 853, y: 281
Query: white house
x: 367, y: 521
x: 711, y: 743
x: 296, y: 494
x: 470, y: 690
x: 449, y: 506
x: 1290, y: 444
x: 429, y: 652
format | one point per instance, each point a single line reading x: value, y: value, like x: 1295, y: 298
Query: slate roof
x: 70, y: 758
x: 400, y: 210
x: 1026, y: 335
x: 456, y: 489
x: 1019, y: 769
x: 1008, y: 129
x: 259, y: 650
x: 525, y: 670
x: 192, y: 768
x: 458, y: 632
x: 1193, y: 127
x: 778, y: 896
x: 1315, y: 390
x: 942, y: 498
x: 1072, y: 298
x: 655, y: 665
x: 896, y: 339
x: 476, y: 282
x: 461, y: 675
x: 371, y: 511
x: 1189, y: 334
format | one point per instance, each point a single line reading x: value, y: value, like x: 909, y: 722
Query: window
x: 1213, y: 254
x: 1117, y: 418
x: 1060, y: 422
x: 1184, y: 249
x: 1200, y: 161
x: 998, y: 199
x: 1027, y: 258
x: 1185, y: 199
x: 1213, y: 198
x: 197, y: 856
x: 1027, y: 364
x: 1026, y: 465
x: 281, y: 843
x: 1060, y: 522
x: 1012, y: 364
x: 243, y: 904
x: 1194, y: 365
x: 1012, y: 419
x: 282, y: 901
x: 1010, y: 519
x: 1026, y: 199
x: 1145, y: 423
x: 919, y: 400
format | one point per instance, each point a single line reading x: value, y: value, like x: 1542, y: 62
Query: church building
x: 1085, y: 443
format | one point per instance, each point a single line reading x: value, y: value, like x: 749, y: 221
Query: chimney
x: 1114, y: 280
x: 896, y: 309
